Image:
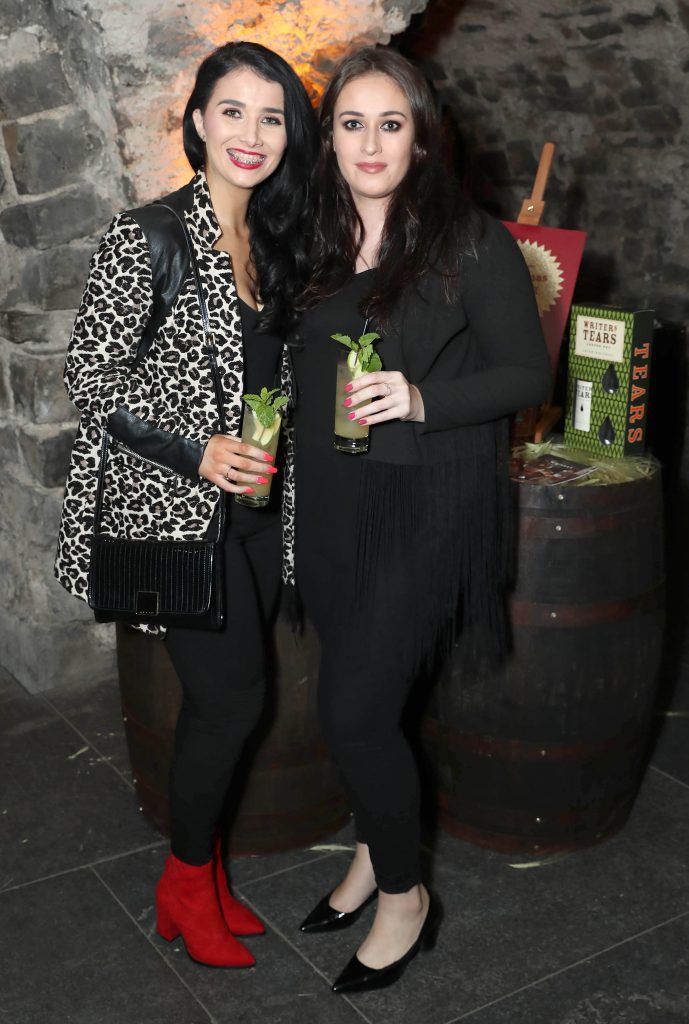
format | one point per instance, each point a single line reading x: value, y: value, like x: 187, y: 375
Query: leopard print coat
x: 171, y: 390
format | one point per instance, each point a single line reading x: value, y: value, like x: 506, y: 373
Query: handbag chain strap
x: 210, y: 350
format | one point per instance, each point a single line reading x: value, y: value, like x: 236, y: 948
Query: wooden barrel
x: 547, y: 752
x: 285, y: 794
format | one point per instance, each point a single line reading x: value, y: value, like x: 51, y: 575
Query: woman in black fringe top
x: 403, y: 548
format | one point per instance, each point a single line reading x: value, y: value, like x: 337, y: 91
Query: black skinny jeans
x: 366, y: 672
x: 223, y: 682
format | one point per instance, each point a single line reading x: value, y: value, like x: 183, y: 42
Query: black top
x: 262, y: 353
x: 315, y: 367
x: 475, y: 359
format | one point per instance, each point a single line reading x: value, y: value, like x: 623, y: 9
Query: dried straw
x: 605, y: 471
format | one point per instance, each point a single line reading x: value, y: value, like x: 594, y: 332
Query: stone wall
x: 61, y: 181
x: 91, y: 95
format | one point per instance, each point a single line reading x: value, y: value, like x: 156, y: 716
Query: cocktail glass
x: 350, y: 436
x: 265, y: 438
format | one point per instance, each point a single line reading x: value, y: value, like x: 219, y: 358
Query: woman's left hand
x: 387, y: 395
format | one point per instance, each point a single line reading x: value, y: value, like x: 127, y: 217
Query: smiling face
x: 373, y: 135
x: 243, y: 127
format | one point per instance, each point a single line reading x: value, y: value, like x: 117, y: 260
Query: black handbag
x: 162, y: 582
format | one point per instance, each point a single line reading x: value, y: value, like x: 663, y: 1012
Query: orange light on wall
x: 311, y: 34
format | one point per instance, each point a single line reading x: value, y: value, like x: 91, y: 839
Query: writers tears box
x: 608, y: 379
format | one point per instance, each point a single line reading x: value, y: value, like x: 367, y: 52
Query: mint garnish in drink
x: 362, y: 358
x: 266, y: 409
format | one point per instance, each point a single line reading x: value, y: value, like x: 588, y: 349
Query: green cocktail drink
x: 261, y: 428
x: 350, y: 436
x: 355, y: 359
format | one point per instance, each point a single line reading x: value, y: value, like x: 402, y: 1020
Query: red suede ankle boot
x: 187, y: 905
x: 238, y: 918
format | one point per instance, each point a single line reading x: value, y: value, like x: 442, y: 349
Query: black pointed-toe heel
x: 324, y: 918
x: 357, y: 977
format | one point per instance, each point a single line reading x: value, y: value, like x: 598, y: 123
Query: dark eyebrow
x: 357, y: 113
x: 266, y: 110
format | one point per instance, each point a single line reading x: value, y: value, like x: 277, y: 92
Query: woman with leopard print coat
x: 249, y: 135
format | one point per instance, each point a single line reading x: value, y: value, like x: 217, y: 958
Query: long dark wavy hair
x: 426, y: 218
x: 279, y: 213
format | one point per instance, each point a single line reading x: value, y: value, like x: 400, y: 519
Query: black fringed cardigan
x: 474, y: 360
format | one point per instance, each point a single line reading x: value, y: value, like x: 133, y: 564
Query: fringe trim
x: 449, y: 525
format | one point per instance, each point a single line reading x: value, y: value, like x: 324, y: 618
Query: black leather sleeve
x: 180, y: 454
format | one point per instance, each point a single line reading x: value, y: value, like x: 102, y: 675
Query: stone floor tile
x: 671, y: 752
x: 31, y: 731
x: 9, y: 687
x: 644, y: 981
x: 63, y: 812
x: 244, y: 870
x: 94, y: 709
x: 69, y: 953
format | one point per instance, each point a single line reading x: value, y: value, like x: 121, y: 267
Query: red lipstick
x: 248, y: 165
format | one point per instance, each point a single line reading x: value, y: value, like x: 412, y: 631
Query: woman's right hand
x: 234, y: 466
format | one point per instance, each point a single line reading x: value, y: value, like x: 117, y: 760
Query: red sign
x: 553, y: 256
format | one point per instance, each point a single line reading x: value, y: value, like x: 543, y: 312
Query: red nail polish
x: 262, y: 479
x: 348, y: 387
x: 272, y: 469
x: 248, y: 490
x: 362, y: 423
x: 268, y: 457
x: 347, y: 401
x: 351, y: 415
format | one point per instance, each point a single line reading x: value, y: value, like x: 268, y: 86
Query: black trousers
x: 223, y: 682
x: 367, y: 668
